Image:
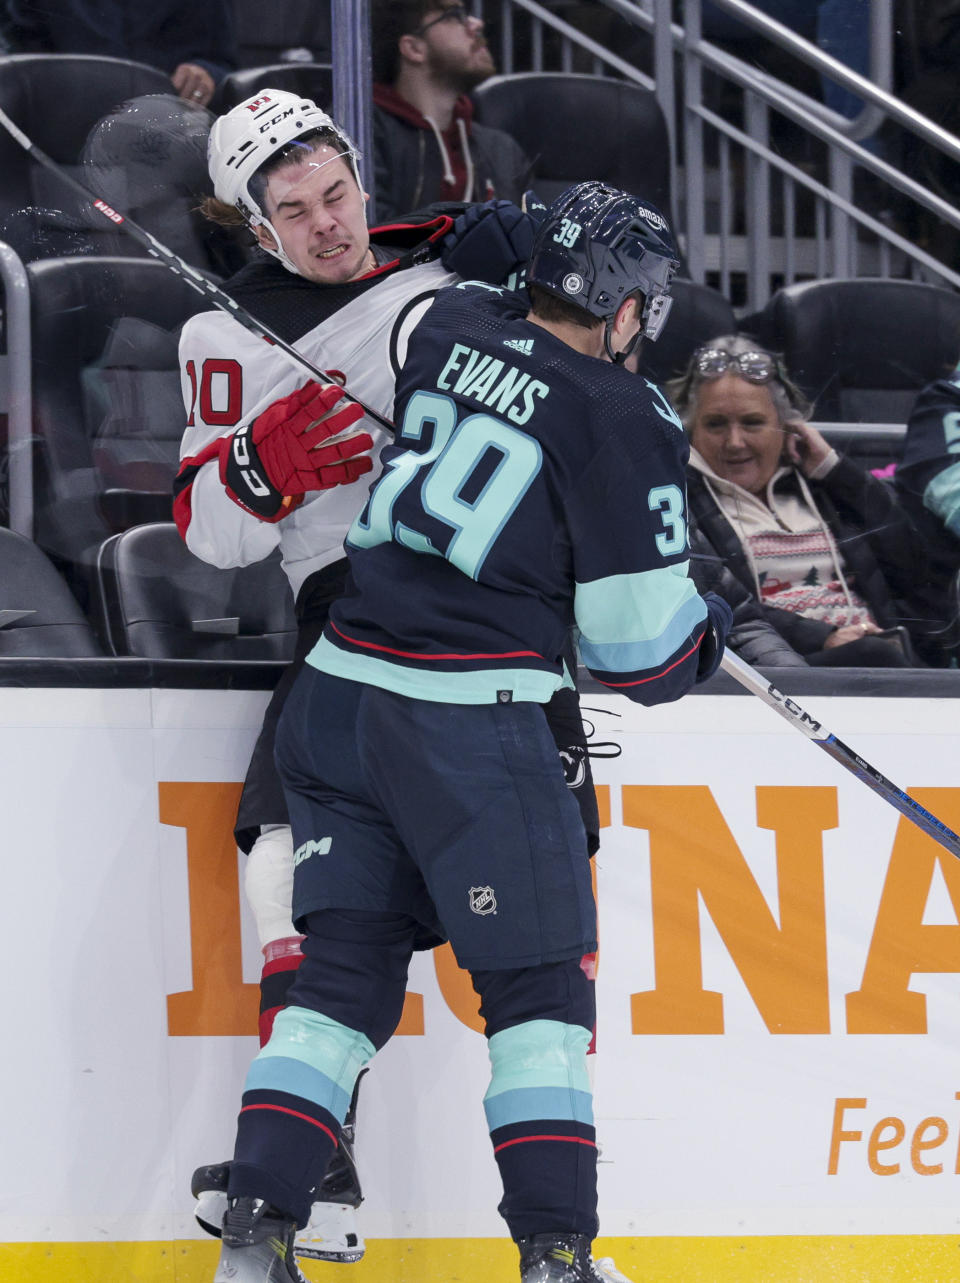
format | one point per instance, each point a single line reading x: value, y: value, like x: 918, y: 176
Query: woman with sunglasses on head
x: 822, y: 545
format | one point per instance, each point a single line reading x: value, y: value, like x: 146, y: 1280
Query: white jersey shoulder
x: 229, y: 376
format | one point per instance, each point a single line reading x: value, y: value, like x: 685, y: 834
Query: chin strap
x: 618, y: 358
x: 279, y: 253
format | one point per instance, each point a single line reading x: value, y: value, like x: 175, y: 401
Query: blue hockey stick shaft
x: 814, y: 730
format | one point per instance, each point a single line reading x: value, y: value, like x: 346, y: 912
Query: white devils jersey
x: 229, y: 376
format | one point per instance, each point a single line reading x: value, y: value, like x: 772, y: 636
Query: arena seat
x: 157, y: 600
x: 106, y: 413
x: 289, y: 27
x: 574, y: 127
x: 862, y: 349
x: 698, y: 314
x: 39, y: 616
x: 311, y: 79
x: 128, y: 138
x: 57, y: 99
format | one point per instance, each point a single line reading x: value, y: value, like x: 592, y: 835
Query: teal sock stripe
x: 311, y: 1056
x: 539, y: 1072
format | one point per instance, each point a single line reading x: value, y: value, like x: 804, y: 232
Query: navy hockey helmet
x: 596, y: 245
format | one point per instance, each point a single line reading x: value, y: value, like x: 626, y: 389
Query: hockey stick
x: 790, y: 710
x: 195, y: 279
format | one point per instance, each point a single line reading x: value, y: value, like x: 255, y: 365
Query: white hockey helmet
x: 250, y: 135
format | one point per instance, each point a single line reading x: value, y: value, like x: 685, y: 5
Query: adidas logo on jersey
x: 520, y: 345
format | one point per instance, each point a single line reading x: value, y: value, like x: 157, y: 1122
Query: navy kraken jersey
x: 530, y: 488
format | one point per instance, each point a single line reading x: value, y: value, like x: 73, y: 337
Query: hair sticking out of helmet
x: 596, y: 246
x: 262, y: 131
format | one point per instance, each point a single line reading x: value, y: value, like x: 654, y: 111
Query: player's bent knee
x: 268, y: 884
x: 355, y: 969
x: 312, y: 1055
x: 539, y: 1070
x: 557, y: 991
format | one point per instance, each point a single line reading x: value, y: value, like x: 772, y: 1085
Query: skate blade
x: 330, y: 1235
x: 209, y: 1211
x: 608, y: 1271
x: 349, y: 1256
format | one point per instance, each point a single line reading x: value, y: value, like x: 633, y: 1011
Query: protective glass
x: 755, y: 367
x: 454, y: 13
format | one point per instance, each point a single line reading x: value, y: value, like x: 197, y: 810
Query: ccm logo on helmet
x: 258, y: 102
x: 275, y: 120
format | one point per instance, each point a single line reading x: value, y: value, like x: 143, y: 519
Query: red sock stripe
x: 265, y: 1024
x: 522, y: 1140
x: 280, y: 1109
x: 288, y: 963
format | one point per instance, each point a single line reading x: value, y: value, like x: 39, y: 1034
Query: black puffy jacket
x: 879, y: 545
x: 752, y: 636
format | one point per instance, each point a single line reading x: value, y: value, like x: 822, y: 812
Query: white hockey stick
x: 789, y: 709
x: 195, y: 279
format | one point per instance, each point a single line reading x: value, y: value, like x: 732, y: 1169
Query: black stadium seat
x: 39, y: 616
x: 311, y: 79
x: 574, y: 127
x: 57, y: 99
x: 158, y: 601
x: 289, y: 29
x: 118, y: 128
x: 862, y: 349
x: 107, y: 411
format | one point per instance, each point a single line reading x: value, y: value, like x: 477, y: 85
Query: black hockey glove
x: 489, y: 241
x: 719, y: 623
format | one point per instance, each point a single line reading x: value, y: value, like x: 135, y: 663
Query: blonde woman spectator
x: 822, y: 545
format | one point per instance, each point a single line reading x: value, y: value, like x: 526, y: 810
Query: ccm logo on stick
x: 104, y: 208
x: 793, y: 708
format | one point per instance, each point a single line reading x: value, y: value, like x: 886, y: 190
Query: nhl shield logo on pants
x: 482, y: 900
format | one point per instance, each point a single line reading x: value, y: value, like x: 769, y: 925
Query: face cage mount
x: 656, y: 310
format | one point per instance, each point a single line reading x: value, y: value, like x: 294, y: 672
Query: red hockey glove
x: 267, y: 466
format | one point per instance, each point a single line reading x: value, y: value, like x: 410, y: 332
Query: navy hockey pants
x: 414, y: 821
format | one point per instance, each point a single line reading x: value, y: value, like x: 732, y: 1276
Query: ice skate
x: 256, y: 1245
x: 208, y: 1185
x: 331, y: 1234
x: 564, y: 1258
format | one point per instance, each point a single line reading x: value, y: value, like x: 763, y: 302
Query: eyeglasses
x: 453, y: 13
x: 755, y: 367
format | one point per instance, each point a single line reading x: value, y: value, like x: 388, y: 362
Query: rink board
x: 778, y: 1073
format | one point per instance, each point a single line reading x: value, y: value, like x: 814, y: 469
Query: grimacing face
x: 319, y: 214
x: 737, y: 430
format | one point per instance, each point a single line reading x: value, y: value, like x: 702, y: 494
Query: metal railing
x: 751, y: 218
x: 18, y: 401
